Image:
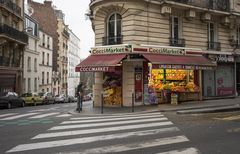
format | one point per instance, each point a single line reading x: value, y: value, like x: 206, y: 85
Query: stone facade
x: 13, y: 41
x: 209, y: 26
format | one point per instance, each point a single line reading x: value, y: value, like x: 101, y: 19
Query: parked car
x: 11, y: 99
x: 86, y: 98
x: 48, y: 98
x: 61, y: 98
x: 71, y: 99
x: 32, y: 98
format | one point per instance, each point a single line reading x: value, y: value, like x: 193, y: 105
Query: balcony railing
x: 214, y: 46
x: 221, y: 5
x: 112, y: 40
x: 12, y: 6
x: 177, y: 42
x: 13, y: 33
x: 66, y: 33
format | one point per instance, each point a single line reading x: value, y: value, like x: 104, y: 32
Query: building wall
x: 143, y: 23
x: 44, y: 14
x: 73, y: 55
x: 62, y: 60
x: 45, y: 64
x: 12, y: 47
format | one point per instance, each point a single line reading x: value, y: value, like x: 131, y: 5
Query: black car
x: 11, y: 99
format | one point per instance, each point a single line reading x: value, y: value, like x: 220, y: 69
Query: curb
x: 196, y: 107
x: 211, y: 110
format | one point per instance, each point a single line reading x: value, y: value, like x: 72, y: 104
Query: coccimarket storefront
x: 148, y: 73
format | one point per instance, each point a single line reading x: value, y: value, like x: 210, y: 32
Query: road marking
x: 183, y: 151
x: 135, y: 146
x: 110, y: 119
x: 8, y: 114
x: 101, y: 130
x: 236, y: 117
x: 19, y: 116
x: 115, y: 116
x: 64, y: 115
x: 44, y: 115
x: 66, y: 142
x: 106, y: 124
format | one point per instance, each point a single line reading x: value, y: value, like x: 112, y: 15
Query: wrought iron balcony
x: 214, y: 46
x: 221, y: 5
x: 112, y: 40
x: 65, y: 32
x: 177, y: 42
x: 13, y: 33
x: 12, y: 6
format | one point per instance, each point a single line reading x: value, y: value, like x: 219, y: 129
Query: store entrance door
x: 238, y: 78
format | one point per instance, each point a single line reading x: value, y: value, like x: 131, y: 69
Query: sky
x: 74, y: 11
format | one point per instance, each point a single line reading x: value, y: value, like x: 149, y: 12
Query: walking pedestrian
x: 80, y: 93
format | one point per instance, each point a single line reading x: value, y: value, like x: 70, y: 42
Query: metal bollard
x: 102, y: 104
x: 133, y: 102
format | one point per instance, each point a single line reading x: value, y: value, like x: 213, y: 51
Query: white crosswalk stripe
x: 19, y: 116
x: 118, y: 133
x: 44, y: 115
x: 8, y: 114
x: 31, y: 115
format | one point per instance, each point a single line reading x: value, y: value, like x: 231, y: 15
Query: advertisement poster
x: 138, y: 87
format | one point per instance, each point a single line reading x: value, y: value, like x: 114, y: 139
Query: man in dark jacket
x: 80, y: 93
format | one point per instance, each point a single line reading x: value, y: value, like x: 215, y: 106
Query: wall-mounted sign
x: 169, y: 51
x: 221, y: 58
x: 187, y: 67
x: 96, y: 69
x: 112, y: 49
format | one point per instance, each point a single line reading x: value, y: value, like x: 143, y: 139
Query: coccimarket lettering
x: 94, y: 69
x: 107, y: 50
x: 169, y: 51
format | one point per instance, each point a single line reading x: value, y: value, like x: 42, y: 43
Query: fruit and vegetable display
x: 176, y: 80
x: 112, y: 90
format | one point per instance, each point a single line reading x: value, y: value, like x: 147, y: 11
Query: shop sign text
x: 187, y: 67
x: 169, y: 51
x: 96, y: 69
x: 222, y: 58
x: 112, y: 50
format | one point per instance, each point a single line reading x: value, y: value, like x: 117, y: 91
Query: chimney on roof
x: 48, y: 2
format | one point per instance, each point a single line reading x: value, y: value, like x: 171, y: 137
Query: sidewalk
x: 218, y: 105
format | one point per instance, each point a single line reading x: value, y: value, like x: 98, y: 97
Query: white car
x: 61, y: 99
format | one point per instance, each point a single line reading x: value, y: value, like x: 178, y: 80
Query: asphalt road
x: 212, y: 133
x: 51, y: 129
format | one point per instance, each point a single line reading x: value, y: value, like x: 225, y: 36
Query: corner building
x: 148, y: 51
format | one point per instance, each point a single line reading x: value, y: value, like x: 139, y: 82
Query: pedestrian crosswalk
x: 31, y: 115
x: 120, y: 133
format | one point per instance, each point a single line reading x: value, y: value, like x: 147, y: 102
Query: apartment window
x: 29, y: 64
x: 114, y: 30
x: 43, y: 40
x: 212, y: 37
x: 43, y: 57
x: 35, y: 65
x: 48, y: 42
x: 29, y: 84
x: 238, y: 36
x: 47, y: 77
x: 35, y: 84
x: 175, y: 32
x: 48, y: 59
x: 24, y: 85
x: 42, y: 78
